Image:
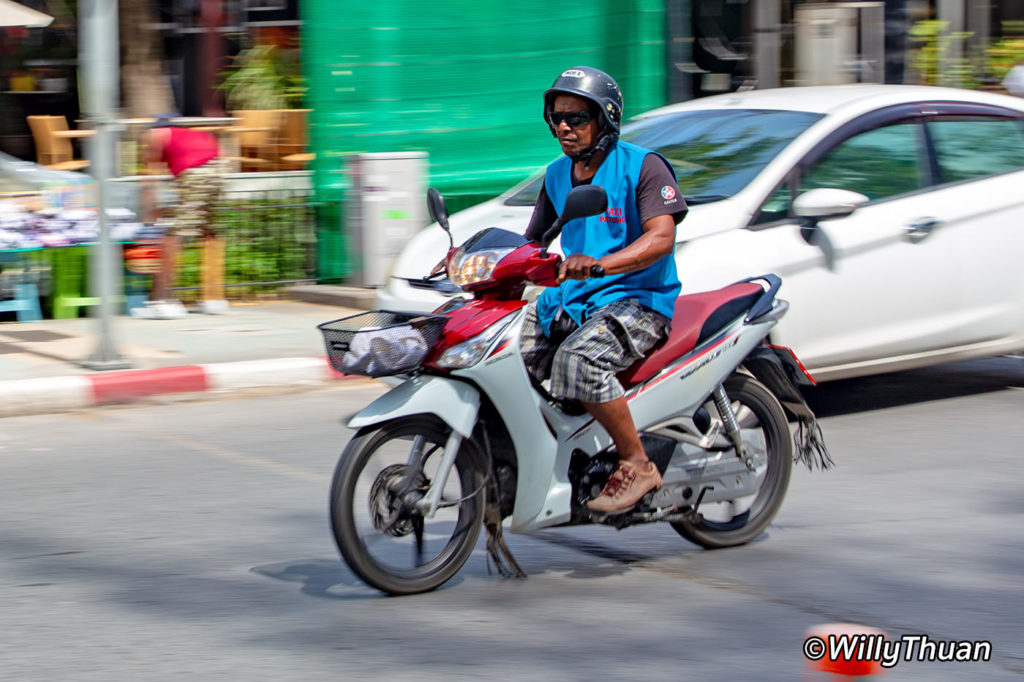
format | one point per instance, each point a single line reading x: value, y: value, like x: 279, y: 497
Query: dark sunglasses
x: 575, y: 119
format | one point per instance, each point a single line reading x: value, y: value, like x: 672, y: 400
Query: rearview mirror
x: 439, y: 212
x: 826, y: 203
x: 583, y: 201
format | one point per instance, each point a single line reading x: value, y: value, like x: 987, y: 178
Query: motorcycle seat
x: 696, y: 318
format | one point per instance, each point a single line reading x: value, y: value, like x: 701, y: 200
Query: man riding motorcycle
x: 585, y: 331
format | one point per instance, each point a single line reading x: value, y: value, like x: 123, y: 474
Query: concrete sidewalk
x: 252, y: 345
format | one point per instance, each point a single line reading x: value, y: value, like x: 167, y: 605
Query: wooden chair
x: 256, y: 132
x: 53, y: 142
x: 293, y: 140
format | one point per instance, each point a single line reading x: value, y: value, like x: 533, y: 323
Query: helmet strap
x: 600, y: 148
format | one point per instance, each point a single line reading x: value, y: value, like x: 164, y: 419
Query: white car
x: 894, y: 215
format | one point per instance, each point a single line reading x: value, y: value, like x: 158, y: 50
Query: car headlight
x: 471, y: 351
x: 465, y: 269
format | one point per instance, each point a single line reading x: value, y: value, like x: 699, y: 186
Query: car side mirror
x: 824, y: 204
x: 439, y: 212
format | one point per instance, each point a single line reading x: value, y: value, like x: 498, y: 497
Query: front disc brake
x: 392, y: 499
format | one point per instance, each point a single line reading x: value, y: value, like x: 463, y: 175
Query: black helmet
x: 592, y: 84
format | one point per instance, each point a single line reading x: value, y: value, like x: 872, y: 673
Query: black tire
x: 758, y: 411
x: 369, y: 545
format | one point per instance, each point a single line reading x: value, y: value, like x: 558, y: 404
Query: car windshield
x: 527, y: 194
x: 494, y: 238
x: 715, y: 152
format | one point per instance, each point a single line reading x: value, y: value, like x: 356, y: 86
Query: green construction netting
x: 463, y: 81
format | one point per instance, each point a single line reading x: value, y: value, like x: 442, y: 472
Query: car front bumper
x: 406, y: 295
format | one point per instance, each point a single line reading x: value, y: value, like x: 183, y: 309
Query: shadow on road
x: 941, y: 382
x: 586, y: 553
x: 323, y: 578
x: 331, y: 579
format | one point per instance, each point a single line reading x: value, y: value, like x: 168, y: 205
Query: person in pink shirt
x: 193, y: 157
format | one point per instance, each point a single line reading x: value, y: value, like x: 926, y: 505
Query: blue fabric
x: 655, y: 286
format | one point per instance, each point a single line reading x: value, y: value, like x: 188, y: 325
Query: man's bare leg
x: 163, y: 280
x: 617, y: 420
x: 636, y: 475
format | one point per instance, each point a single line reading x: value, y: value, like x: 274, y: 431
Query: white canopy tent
x: 13, y: 14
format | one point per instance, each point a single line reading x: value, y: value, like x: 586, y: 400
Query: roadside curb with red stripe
x: 59, y: 394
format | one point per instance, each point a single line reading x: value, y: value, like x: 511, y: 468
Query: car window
x: 778, y: 206
x: 878, y: 163
x: 716, y: 153
x: 527, y: 195
x: 969, y: 147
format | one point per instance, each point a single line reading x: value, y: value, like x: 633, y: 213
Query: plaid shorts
x: 198, y: 191
x: 583, y: 367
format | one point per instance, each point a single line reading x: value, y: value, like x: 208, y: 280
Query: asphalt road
x: 189, y: 540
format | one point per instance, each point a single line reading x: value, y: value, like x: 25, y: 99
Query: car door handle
x: 919, y: 229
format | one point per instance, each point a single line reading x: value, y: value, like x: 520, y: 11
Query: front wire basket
x: 380, y: 343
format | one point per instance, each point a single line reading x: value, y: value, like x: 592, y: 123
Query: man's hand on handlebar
x: 579, y: 266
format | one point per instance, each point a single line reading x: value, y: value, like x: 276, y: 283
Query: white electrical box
x: 386, y: 206
x: 840, y: 42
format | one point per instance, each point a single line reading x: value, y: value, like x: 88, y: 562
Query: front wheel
x: 381, y: 534
x: 765, y: 434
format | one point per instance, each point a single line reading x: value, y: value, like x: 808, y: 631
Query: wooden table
x: 73, y: 133
x: 231, y: 143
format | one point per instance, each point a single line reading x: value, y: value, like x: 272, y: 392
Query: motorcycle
x: 466, y: 440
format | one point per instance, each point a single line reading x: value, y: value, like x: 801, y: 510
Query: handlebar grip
x: 596, y: 271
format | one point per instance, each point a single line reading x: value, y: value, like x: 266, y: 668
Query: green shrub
x: 933, y: 55
x: 941, y: 57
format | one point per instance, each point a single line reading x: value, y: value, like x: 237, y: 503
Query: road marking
x: 243, y: 458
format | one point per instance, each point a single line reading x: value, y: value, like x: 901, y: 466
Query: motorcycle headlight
x: 465, y: 269
x: 471, y: 351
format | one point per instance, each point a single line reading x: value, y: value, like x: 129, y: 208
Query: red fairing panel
x: 468, y: 321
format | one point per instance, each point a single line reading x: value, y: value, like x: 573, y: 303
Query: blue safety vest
x: 655, y: 286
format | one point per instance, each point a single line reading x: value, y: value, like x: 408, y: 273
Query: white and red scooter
x: 466, y: 439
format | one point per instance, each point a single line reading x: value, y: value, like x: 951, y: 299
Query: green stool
x: 70, y: 267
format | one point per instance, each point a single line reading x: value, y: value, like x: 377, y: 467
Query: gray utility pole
x: 767, y: 20
x: 953, y: 11
x: 100, y: 62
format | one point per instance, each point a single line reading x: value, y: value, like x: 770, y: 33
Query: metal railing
x: 268, y: 221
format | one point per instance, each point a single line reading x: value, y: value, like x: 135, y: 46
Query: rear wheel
x: 765, y: 434
x: 381, y: 534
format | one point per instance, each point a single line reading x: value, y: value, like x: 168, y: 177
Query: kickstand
x: 498, y: 552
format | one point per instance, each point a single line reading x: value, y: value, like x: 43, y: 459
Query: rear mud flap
x: 778, y: 369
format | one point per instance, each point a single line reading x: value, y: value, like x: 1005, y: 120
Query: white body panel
x: 455, y: 402
x: 543, y: 492
x: 683, y: 387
